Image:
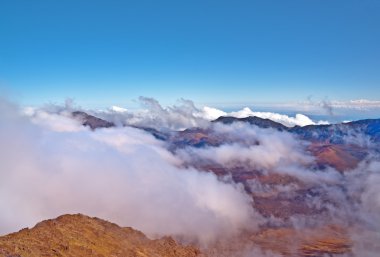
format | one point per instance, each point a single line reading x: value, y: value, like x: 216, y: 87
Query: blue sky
x: 221, y: 53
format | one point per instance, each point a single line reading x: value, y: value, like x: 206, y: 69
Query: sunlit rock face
x: 79, y: 235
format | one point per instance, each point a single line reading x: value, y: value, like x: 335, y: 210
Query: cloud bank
x: 120, y: 174
x: 51, y: 164
x: 187, y: 115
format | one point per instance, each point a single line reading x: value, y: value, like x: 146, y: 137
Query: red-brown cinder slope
x: 81, y: 236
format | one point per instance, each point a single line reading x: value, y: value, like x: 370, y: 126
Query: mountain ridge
x: 80, y: 235
x: 331, y: 133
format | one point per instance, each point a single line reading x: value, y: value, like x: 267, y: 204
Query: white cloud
x: 120, y: 174
x: 187, y: 115
x: 251, y: 147
x: 210, y: 113
x: 118, y: 109
x: 61, y: 121
x: 299, y: 120
x: 51, y: 165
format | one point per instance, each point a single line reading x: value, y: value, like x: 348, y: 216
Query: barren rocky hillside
x: 79, y: 235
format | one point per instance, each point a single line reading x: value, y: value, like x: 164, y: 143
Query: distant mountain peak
x: 92, y: 121
x: 253, y: 120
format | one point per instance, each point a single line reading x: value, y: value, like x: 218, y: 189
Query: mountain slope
x: 92, y: 121
x: 79, y: 235
x: 253, y: 120
x: 332, y: 133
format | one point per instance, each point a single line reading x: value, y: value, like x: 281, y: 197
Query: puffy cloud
x: 251, y: 146
x: 60, y: 121
x: 118, y: 109
x: 298, y: 120
x: 120, y: 174
x: 350, y: 199
x: 210, y: 113
x: 153, y: 115
x: 370, y: 198
x: 186, y: 115
x: 51, y: 165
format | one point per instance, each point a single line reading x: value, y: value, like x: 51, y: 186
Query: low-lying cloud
x: 120, y: 174
x: 254, y: 147
x: 51, y: 165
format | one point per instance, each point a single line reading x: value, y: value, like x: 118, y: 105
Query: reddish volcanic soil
x: 82, y: 236
x: 340, y: 157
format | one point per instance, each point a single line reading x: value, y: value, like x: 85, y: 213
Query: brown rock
x: 79, y: 235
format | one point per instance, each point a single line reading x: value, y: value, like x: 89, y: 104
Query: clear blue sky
x: 213, y: 52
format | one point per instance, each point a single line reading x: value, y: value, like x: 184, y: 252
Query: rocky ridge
x: 81, y: 236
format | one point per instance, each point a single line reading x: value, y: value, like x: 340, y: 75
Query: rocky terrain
x: 79, y: 235
x: 91, y: 121
x: 82, y: 236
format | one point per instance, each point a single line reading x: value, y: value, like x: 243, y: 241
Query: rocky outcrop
x: 81, y: 236
x: 92, y: 121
